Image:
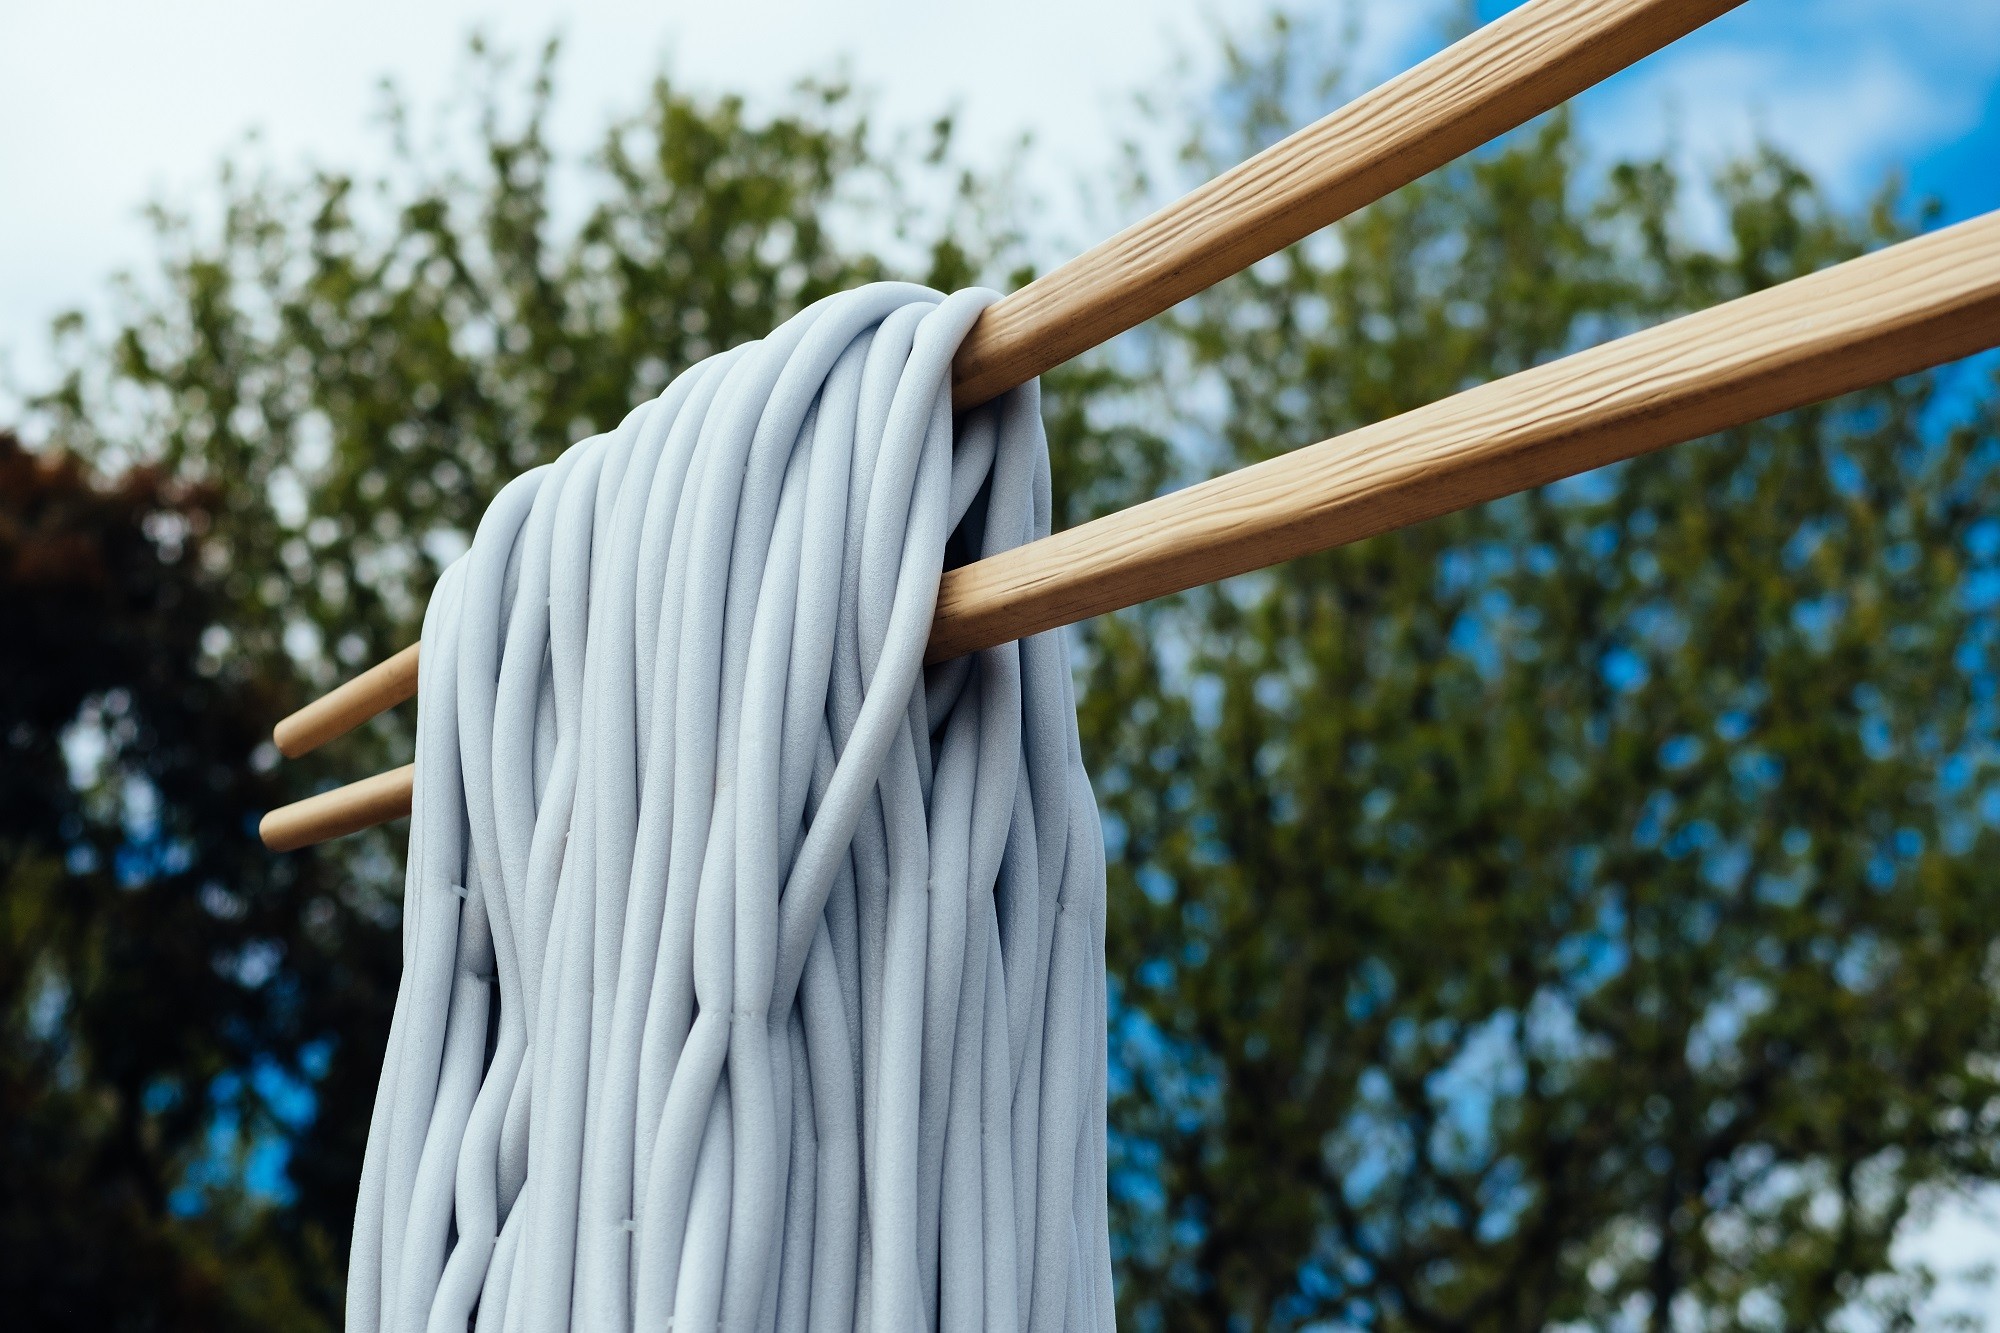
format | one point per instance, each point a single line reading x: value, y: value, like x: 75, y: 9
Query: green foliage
x: 1578, y: 909
x: 307, y: 408
x: 357, y: 365
x: 141, y: 932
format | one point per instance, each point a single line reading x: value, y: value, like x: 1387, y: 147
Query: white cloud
x: 112, y: 103
x: 109, y: 103
x: 1842, y: 121
x: 1849, y: 88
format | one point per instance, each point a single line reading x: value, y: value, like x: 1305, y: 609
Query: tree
x: 1578, y: 910
x: 159, y: 977
x: 251, y: 482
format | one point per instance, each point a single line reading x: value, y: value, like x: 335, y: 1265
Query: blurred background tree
x: 157, y: 975
x: 1579, y: 910
x: 250, y: 483
x: 1576, y: 911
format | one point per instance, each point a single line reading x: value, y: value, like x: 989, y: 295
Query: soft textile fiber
x: 753, y: 973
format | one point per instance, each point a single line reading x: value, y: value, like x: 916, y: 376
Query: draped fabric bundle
x: 753, y: 973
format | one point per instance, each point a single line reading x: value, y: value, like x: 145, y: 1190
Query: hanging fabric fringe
x: 753, y: 973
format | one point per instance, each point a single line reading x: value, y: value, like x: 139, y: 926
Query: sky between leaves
x: 112, y: 103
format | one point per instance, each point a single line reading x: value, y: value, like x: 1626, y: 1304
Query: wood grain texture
x: 1899, y: 310
x: 1490, y: 81
x: 346, y: 706
x: 1499, y: 76
x: 337, y: 813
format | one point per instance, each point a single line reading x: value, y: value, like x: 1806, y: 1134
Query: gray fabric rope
x: 753, y: 973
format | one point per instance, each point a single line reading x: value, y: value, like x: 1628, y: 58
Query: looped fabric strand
x: 753, y: 973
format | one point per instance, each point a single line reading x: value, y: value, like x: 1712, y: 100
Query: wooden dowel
x: 346, y: 706
x: 1490, y: 81
x: 337, y: 813
x: 1915, y: 305
x: 1899, y: 310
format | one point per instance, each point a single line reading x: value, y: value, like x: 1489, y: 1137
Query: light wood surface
x: 346, y: 706
x: 1918, y: 304
x: 337, y: 813
x: 1495, y: 78
x: 1896, y: 311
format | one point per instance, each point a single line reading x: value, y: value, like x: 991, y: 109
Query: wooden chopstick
x: 337, y: 813
x: 1918, y: 304
x: 1490, y: 81
x: 1911, y: 306
x: 346, y: 706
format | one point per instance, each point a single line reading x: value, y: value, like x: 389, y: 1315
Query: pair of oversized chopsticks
x: 1903, y: 309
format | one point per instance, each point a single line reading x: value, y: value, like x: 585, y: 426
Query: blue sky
x: 112, y: 103
x: 118, y: 101
x: 1854, y: 88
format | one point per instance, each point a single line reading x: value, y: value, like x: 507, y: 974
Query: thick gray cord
x: 753, y: 974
